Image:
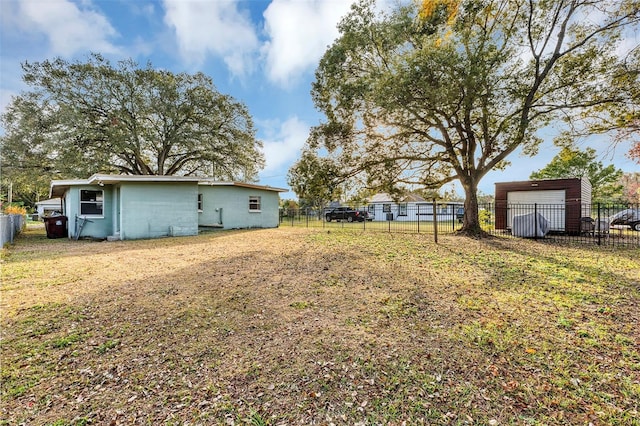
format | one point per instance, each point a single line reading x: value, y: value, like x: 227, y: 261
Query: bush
x: 14, y: 209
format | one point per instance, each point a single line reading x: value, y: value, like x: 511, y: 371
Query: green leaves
x: 427, y: 94
x: 570, y: 163
x: 96, y: 117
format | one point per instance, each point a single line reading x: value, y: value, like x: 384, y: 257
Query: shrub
x: 14, y: 209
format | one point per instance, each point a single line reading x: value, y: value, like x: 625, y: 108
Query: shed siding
x: 151, y: 210
x: 228, y: 207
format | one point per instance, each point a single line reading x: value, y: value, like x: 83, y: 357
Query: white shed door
x: 549, y: 203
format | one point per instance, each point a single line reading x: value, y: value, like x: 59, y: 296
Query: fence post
x: 12, y: 227
x: 435, y: 221
x: 453, y: 216
x: 599, y: 225
x: 535, y: 221
x: 364, y: 222
x: 418, y: 214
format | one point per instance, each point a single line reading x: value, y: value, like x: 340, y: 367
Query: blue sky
x: 263, y: 53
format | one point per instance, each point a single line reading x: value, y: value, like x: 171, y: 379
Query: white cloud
x: 283, y: 142
x: 70, y: 28
x: 216, y: 27
x: 299, y: 33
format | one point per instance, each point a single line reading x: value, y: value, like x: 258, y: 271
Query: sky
x: 263, y: 53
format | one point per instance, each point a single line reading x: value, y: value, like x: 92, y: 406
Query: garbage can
x: 389, y: 216
x: 56, y: 226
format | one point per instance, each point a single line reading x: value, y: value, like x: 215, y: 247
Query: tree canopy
x: 573, y: 163
x: 80, y: 118
x: 314, y: 179
x: 446, y: 90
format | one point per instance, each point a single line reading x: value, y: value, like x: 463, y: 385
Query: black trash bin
x: 389, y: 216
x: 56, y: 226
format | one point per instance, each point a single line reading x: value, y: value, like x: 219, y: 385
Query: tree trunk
x: 471, y: 221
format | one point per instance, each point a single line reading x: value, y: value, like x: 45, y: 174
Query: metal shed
x: 561, y: 201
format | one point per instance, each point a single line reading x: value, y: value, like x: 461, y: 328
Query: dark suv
x: 346, y: 213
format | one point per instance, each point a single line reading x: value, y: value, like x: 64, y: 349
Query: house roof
x: 383, y: 197
x: 212, y: 182
x: 58, y: 187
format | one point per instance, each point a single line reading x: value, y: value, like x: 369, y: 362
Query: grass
x: 298, y: 326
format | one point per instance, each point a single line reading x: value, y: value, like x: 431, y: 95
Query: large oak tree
x: 446, y: 90
x: 80, y: 118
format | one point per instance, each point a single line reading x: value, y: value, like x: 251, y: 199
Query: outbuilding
x: 125, y: 207
x: 46, y: 207
x: 561, y: 201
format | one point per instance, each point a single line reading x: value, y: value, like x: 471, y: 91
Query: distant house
x: 134, y: 207
x: 409, y: 207
x: 561, y: 201
x: 46, y: 207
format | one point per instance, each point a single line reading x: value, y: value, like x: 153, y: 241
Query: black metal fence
x: 599, y: 224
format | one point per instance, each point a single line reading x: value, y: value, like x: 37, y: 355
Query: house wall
x: 151, y: 210
x: 96, y: 226
x: 574, y: 189
x: 422, y: 211
x: 228, y: 207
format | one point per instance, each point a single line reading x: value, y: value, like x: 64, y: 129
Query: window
x: 254, y: 204
x: 372, y: 208
x: 402, y: 209
x: 386, y: 208
x: 91, y: 202
x: 200, y: 203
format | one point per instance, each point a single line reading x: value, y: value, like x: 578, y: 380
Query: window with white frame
x: 91, y: 202
x: 372, y: 208
x: 386, y: 208
x: 200, y: 203
x: 254, y: 204
x: 402, y: 209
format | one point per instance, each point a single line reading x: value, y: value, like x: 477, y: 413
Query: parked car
x: 629, y: 217
x: 348, y: 214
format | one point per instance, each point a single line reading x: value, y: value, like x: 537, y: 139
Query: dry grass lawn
x: 297, y: 326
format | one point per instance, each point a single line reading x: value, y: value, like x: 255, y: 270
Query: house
x: 409, y: 207
x: 142, y: 206
x: 46, y: 207
x: 561, y: 201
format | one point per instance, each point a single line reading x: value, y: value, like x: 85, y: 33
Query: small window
x: 254, y: 204
x: 372, y: 208
x: 200, y: 203
x: 91, y: 202
x: 402, y: 209
x: 386, y: 208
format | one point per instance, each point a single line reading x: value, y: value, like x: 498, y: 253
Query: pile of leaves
x: 297, y: 326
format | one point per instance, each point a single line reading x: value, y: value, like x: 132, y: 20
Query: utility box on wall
x: 561, y: 201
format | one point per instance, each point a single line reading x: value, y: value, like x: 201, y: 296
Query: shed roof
x: 49, y: 202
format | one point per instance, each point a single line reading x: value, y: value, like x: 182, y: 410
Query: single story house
x: 126, y: 207
x: 561, y: 201
x: 46, y: 207
x: 409, y: 207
